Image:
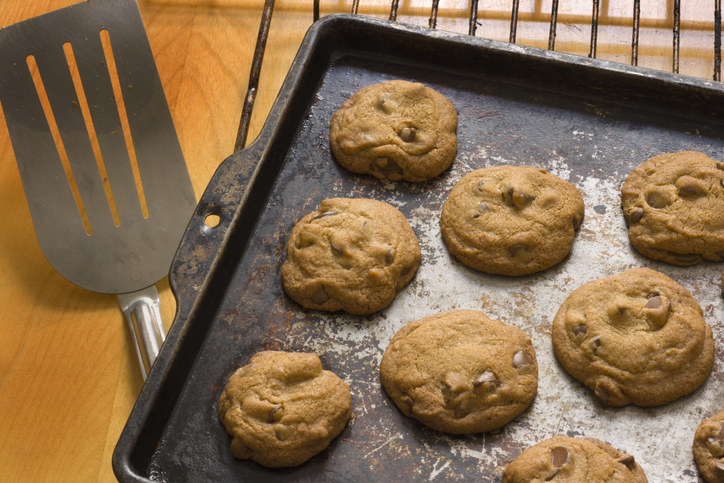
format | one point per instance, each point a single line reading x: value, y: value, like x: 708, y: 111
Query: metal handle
x: 141, y: 309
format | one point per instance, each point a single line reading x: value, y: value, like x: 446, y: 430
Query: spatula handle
x: 141, y: 309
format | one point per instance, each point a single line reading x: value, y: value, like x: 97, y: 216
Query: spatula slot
x: 93, y: 138
x: 115, y: 82
x: 53, y: 126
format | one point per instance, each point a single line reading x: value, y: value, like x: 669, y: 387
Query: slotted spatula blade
x: 101, y: 165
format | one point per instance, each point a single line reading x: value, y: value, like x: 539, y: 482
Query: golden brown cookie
x: 460, y: 372
x: 674, y: 206
x: 573, y: 460
x: 709, y: 448
x: 282, y: 408
x: 395, y: 130
x: 511, y: 220
x: 634, y: 338
x: 351, y: 255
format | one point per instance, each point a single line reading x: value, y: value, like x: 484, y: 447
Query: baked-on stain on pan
x: 587, y: 121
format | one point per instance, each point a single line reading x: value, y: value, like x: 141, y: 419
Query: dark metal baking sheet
x: 584, y: 120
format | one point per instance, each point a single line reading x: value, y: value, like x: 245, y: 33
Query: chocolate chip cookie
x: 709, y: 448
x: 511, y: 220
x: 282, y: 408
x: 674, y: 206
x: 395, y: 130
x: 351, y: 255
x: 460, y: 372
x: 634, y: 338
x: 573, y: 460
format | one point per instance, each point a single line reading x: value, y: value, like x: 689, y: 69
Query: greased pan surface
x: 586, y: 121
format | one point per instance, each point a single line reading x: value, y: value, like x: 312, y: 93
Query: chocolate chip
x: 517, y: 248
x: 628, y: 461
x: 691, y: 191
x: 408, y: 402
x: 559, y: 456
x: 408, y: 134
x: 463, y: 408
x: 720, y: 166
x: 686, y: 258
x: 387, y: 166
x: 636, y: 214
x: 483, y: 207
x: 576, y: 221
x: 553, y: 475
x: 719, y: 465
x: 658, y: 199
x: 279, y: 435
x: 522, y: 359
x: 325, y: 214
x: 595, y: 344
x: 654, y: 302
x: 486, y: 376
x: 481, y: 186
x: 580, y: 329
x: 320, y: 296
x: 390, y: 257
x: 275, y: 414
x: 335, y: 249
x: 602, y: 393
x: 405, y: 271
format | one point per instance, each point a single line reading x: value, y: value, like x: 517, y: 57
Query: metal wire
x: 554, y: 22
x: 635, y: 35
x: 254, y: 74
x: 472, y: 28
x: 717, y: 40
x: 594, y: 28
x: 676, y: 36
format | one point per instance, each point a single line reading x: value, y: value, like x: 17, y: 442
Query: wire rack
x: 473, y: 24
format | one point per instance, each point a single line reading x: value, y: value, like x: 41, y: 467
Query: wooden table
x: 68, y: 374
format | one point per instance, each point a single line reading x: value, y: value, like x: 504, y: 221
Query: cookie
x: 674, y: 206
x: 573, y: 460
x: 395, y: 130
x: 282, y: 408
x: 511, y: 220
x: 634, y: 338
x: 460, y: 372
x: 709, y: 448
x: 351, y: 255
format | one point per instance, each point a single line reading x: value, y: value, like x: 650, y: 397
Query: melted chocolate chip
x: 686, y: 258
x: 325, y: 214
x: 275, y: 414
x: 483, y: 207
x: 320, y: 296
x: 408, y: 134
x: 517, y: 248
x: 602, y: 393
x: 719, y: 465
x: 658, y: 199
x: 486, y: 376
x: 595, y: 344
x: 576, y: 222
x: 559, y: 456
x: 390, y: 257
x: 387, y: 166
x: 580, y: 330
x: 522, y: 359
x: 654, y: 302
x: 628, y: 461
x: 636, y: 215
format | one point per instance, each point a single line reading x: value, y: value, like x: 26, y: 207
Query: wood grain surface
x: 68, y: 374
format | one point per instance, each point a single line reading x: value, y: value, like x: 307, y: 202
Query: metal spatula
x: 105, y: 179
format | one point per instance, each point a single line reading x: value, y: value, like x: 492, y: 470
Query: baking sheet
x: 585, y: 121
